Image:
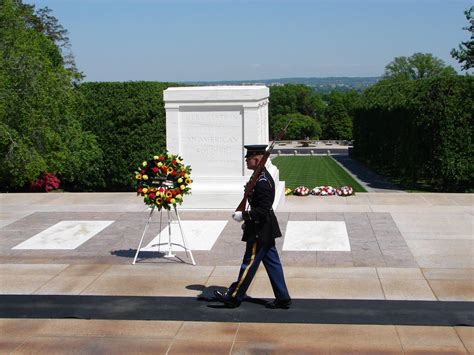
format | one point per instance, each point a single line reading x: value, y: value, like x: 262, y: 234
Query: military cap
x: 255, y: 149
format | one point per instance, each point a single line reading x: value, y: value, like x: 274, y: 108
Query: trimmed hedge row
x: 419, y: 131
x: 128, y: 119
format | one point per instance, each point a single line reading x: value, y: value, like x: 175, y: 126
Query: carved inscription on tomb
x: 211, y: 141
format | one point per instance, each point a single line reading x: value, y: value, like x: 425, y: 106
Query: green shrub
x: 128, y: 119
x: 419, y: 131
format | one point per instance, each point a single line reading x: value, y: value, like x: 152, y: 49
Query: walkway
x: 407, y: 276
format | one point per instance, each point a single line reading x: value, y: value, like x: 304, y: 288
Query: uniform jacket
x: 260, y: 221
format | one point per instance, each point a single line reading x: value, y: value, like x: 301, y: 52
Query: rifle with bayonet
x: 258, y: 170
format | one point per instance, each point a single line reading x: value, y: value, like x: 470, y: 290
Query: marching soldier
x: 260, y: 230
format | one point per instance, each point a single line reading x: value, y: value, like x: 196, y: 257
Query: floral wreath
x: 321, y: 191
x: 301, y: 191
x: 163, y: 181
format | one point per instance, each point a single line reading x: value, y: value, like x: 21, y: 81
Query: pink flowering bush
x: 46, y: 182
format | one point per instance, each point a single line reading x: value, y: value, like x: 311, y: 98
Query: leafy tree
x: 338, y: 122
x: 418, y: 66
x: 339, y: 113
x: 294, y: 98
x: 38, y: 130
x: 465, y: 52
x: 301, y: 126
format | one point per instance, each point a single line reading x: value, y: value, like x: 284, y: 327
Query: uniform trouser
x: 254, y: 254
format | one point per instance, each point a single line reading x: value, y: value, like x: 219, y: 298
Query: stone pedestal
x: 209, y: 126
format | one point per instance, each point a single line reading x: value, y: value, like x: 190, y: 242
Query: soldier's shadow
x: 207, y: 295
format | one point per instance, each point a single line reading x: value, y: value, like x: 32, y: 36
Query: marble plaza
x: 368, y: 248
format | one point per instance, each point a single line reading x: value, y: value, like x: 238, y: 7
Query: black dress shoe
x: 285, y: 304
x: 228, y: 301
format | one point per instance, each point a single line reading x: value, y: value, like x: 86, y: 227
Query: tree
x: 339, y: 113
x: 418, y: 66
x: 465, y: 52
x: 294, y: 98
x: 301, y: 126
x: 38, y: 130
x: 338, y: 122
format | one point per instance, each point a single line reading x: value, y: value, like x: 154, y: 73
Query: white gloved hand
x: 237, y: 216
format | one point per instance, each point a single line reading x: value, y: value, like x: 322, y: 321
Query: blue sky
x: 194, y: 40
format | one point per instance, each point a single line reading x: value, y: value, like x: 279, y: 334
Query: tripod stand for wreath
x: 169, y: 243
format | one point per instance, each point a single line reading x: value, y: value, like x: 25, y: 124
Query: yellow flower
x: 144, y: 163
x: 182, y: 168
x: 169, y: 194
x: 182, y: 187
x: 145, y: 177
x: 160, y: 164
x: 158, y: 201
x: 178, y: 161
x: 180, y: 180
x: 155, y: 157
x: 179, y: 196
x: 170, y: 170
x: 173, y: 201
x: 145, y: 190
x: 188, y: 181
x: 138, y: 176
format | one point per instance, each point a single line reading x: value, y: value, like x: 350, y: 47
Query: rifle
x: 258, y: 170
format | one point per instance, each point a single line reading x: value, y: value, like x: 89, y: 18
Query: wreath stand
x: 170, y: 254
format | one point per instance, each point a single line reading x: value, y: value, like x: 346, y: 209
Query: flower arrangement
x: 301, y: 191
x: 345, y: 191
x: 323, y: 191
x: 46, y: 182
x: 163, y: 181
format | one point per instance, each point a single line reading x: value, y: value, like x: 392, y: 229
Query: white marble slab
x: 200, y: 235
x: 64, y: 235
x: 316, y: 235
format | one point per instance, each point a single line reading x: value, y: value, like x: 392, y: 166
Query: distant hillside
x: 318, y: 84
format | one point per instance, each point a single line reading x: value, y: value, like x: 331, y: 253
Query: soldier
x: 260, y: 230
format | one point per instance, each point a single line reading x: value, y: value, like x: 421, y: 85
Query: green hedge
x: 419, y: 132
x: 128, y: 119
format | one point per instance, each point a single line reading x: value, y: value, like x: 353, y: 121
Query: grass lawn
x: 311, y: 171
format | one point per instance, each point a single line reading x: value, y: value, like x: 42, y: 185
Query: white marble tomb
x: 209, y: 126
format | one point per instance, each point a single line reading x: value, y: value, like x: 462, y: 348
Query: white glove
x: 237, y: 216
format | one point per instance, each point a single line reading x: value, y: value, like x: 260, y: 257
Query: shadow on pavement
x: 364, y: 174
x: 207, y: 295
x: 147, y: 256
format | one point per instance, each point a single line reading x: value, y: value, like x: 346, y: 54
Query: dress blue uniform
x: 260, y: 230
